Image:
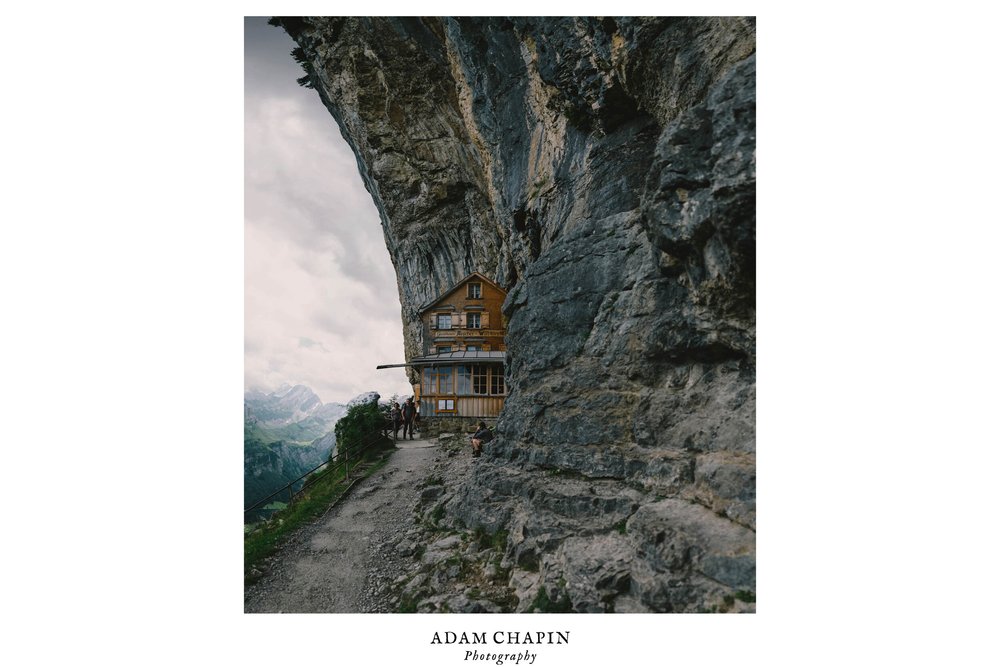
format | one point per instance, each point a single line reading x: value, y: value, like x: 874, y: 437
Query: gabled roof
x: 454, y: 287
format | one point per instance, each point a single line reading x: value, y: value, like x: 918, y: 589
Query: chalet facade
x: 461, y: 370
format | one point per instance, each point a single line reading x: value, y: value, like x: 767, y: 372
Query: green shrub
x: 437, y: 514
x: 546, y: 605
x: 360, y: 426
x: 486, y: 540
x: 407, y: 605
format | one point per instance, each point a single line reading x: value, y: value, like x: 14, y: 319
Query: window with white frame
x: 496, y: 382
x: 479, y: 379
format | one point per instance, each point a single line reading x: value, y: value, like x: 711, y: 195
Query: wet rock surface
x: 603, y: 171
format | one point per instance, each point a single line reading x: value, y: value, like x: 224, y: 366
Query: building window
x: 438, y: 380
x: 497, y: 387
x: 444, y: 321
x: 479, y: 379
x: 472, y: 320
x: 464, y: 379
x: 472, y: 348
x: 475, y: 291
x: 446, y: 405
x: 443, y: 348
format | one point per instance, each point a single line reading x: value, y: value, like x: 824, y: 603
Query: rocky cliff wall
x: 603, y: 171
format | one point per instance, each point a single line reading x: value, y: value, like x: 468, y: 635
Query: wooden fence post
x: 347, y: 464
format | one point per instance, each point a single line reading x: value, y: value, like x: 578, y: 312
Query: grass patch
x: 546, y: 605
x: 464, y: 569
x: 486, y: 540
x: 746, y: 596
x: 620, y: 526
x: 431, y: 481
x: 407, y: 605
x: 506, y: 600
x: 437, y: 515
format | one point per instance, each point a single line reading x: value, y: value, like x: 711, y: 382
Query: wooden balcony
x: 458, y: 336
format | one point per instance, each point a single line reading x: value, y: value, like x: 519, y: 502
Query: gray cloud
x: 309, y: 343
x: 321, y: 303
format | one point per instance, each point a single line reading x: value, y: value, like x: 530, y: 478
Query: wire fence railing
x: 347, y: 456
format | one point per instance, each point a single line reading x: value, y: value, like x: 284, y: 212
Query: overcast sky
x: 322, y: 307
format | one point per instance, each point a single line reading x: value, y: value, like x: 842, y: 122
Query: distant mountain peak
x: 286, y: 389
x: 366, y: 397
x: 285, y: 405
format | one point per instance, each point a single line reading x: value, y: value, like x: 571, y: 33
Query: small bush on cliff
x: 487, y: 540
x: 359, y: 427
x: 546, y: 605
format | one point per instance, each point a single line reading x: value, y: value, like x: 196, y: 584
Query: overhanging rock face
x: 603, y: 172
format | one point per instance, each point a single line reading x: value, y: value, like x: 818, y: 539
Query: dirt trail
x: 324, y: 566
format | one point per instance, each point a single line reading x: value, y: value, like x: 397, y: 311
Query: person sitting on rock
x: 483, y: 435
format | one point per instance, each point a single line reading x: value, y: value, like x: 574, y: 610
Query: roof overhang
x: 452, y: 358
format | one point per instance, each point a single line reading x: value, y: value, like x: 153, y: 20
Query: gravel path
x: 344, y: 561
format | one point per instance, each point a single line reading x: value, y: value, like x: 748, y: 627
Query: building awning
x: 459, y: 357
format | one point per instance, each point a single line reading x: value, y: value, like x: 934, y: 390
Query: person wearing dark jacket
x: 409, y: 412
x: 481, y: 436
x: 397, y: 420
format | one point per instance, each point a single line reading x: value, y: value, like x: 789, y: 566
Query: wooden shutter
x: 485, y: 348
x: 459, y: 320
x: 484, y: 322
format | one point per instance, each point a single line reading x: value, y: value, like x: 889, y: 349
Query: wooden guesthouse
x: 461, y: 370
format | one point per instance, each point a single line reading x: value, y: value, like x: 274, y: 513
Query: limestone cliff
x: 603, y: 171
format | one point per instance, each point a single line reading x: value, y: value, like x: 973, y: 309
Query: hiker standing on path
x: 397, y: 419
x: 409, y: 411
